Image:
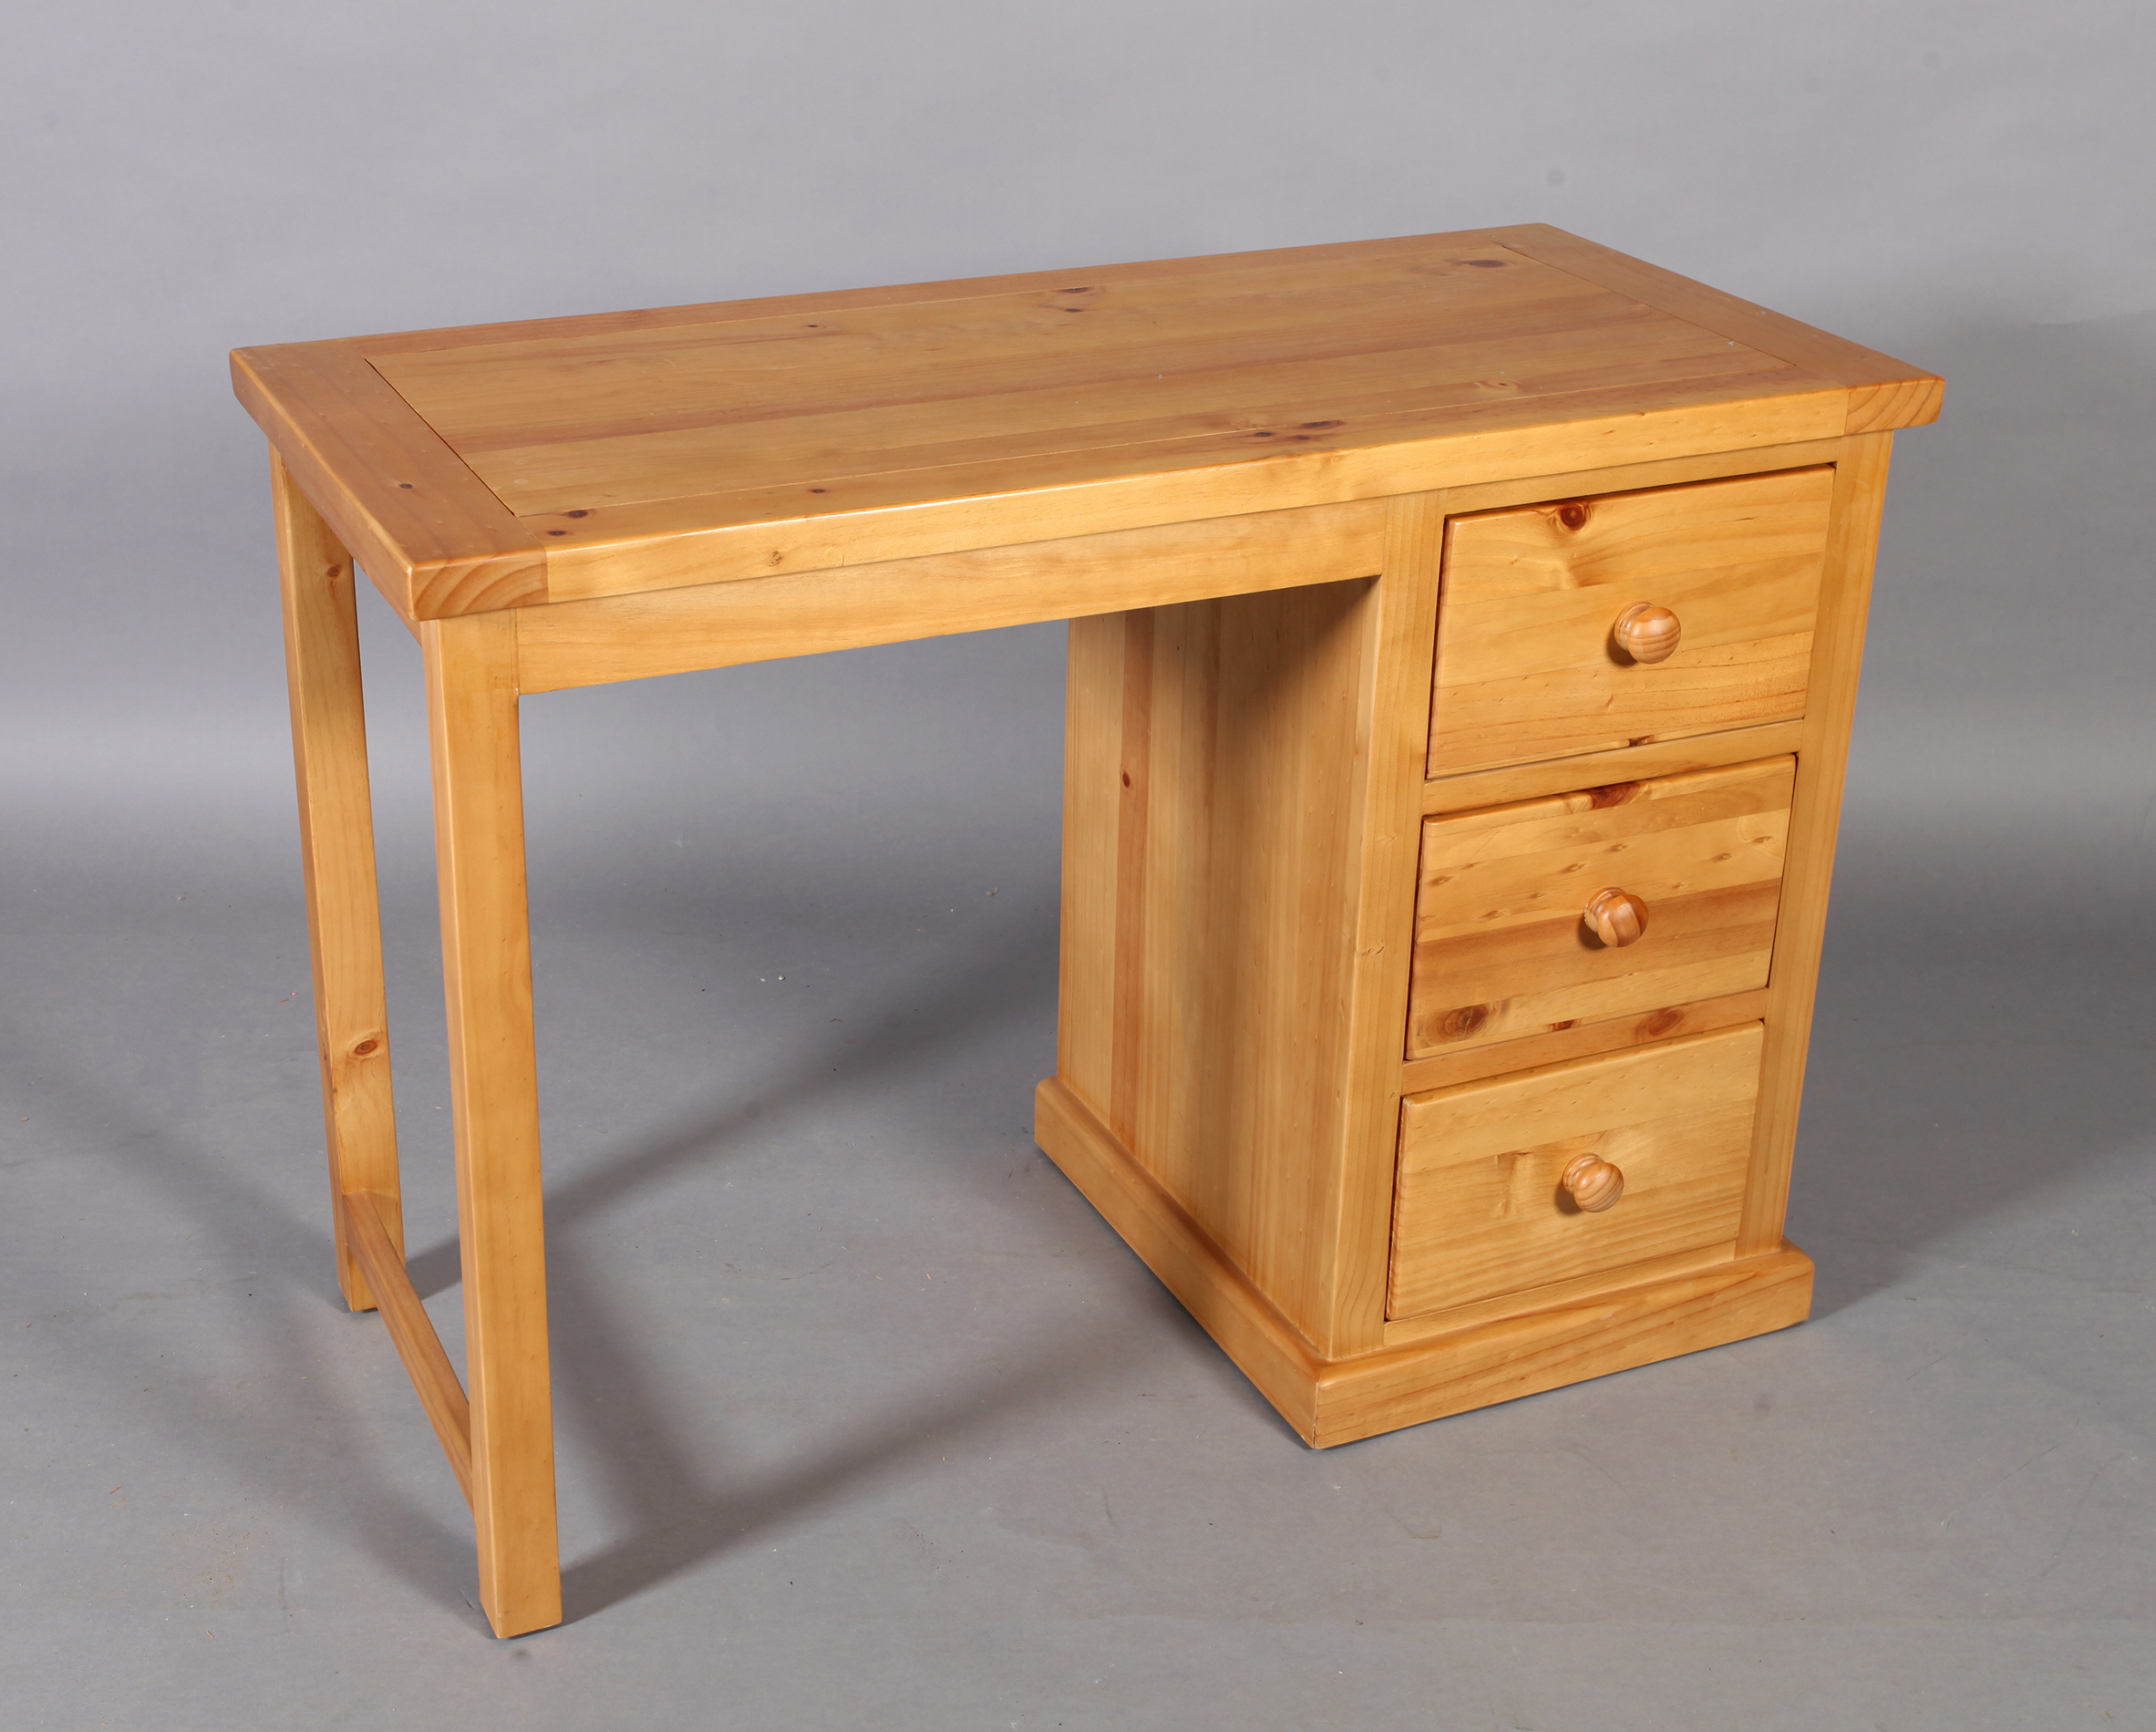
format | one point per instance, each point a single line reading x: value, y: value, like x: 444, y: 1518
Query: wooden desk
x: 1433, y: 1050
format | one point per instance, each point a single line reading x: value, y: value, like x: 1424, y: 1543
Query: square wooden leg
x: 337, y: 844
x: 479, y: 824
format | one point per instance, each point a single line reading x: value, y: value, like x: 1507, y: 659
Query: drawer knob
x: 1647, y: 633
x: 1595, y: 1183
x: 1618, y: 917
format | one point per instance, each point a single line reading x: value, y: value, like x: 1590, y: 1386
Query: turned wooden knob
x: 1595, y: 1183
x: 1618, y: 917
x: 1647, y: 633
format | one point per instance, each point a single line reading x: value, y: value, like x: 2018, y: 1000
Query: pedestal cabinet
x: 1438, y: 946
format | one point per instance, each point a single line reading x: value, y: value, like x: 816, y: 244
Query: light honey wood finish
x: 1502, y: 947
x: 1884, y: 393
x: 337, y: 849
x: 1265, y: 1345
x: 706, y: 444
x: 367, y: 1219
x: 1478, y: 789
x: 1053, y: 497
x: 1527, y: 667
x: 1859, y: 494
x: 801, y: 613
x: 1882, y: 408
x: 783, y: 441
x: 1559, y: 1337
x: 1582, y: 1040
x: 1647, y: 633
x: 478, y: 826
x: 1616, y: 918
x: 1548, y: 1295
x: 1482, y: 1207
x: 1547, y: 1345
x: 1212, y: 812
x: 1592, y: 1183
x: 1637, y: 478
x: 1389, y: 750
x: 1351, y: 538
x: 431, y: 536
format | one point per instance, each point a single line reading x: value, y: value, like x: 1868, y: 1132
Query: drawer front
x: 1505, y: 944
x: 1527, y: 664
x: 1482, y: 1210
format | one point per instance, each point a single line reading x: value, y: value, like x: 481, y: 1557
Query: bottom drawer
x: 1482, y: 1208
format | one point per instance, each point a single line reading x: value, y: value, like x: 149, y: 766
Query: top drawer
x: 1528, y: 665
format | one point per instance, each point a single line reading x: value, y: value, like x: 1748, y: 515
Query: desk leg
x: 478, y: 830
x: 337, y: 844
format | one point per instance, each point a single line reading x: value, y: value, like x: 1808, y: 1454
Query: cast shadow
x: 1949, y: 1090
x: 683, y: 1507
x: 249, y: 1229
x: 682, y: 1512
x: 988, y: 989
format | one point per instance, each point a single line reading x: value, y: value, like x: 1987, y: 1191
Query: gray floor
x: 867, y: 1420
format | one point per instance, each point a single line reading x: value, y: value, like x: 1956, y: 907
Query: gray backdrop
x: 866, y: 1420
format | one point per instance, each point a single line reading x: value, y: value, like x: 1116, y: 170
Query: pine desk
x: 1465, y: 634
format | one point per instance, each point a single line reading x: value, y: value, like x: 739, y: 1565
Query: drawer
x: 1505, y: 943
x: 1528, y: 662
x: 1482, y: 1210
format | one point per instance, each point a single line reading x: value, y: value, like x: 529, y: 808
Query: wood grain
x: 1676, y: 471
x: 988, y: 362
x: 337, y: 850
x: 1873, y: 376
x: 1478, y: 789
x: 1235, y: 476
x: 1094, y: 679
x: 369, y: 1219
x: 710, y: 443
x: 727, y: 536
x: 799, y: 614
x: 566, y: 459
x: 428, y: 532
x: 571, y: 420
x: 1303, y: 384
x: 1562, y: 1338
x: 1881, y: 408
x: 1647, y: 632
x: 1526, y: 667
x: 1548, y: 1295
x: 1212, y: 811
x: 1616, y: 918
x: 1480, y: 1210
x: 1528, y: 1052
x: 478, y: 826
x: 1594, y: 1183
x: 1502, y: 945
x: 1357, y: 1244
x: 1267, y: 1348
x: 1565, y: 1342
x: 956, y: 291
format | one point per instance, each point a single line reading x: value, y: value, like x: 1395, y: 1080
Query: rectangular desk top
x: 516, y: 465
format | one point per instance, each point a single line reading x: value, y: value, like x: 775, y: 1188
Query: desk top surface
x: 511, y: 465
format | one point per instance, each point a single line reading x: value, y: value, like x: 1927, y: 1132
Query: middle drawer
x: 1549, y: 913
